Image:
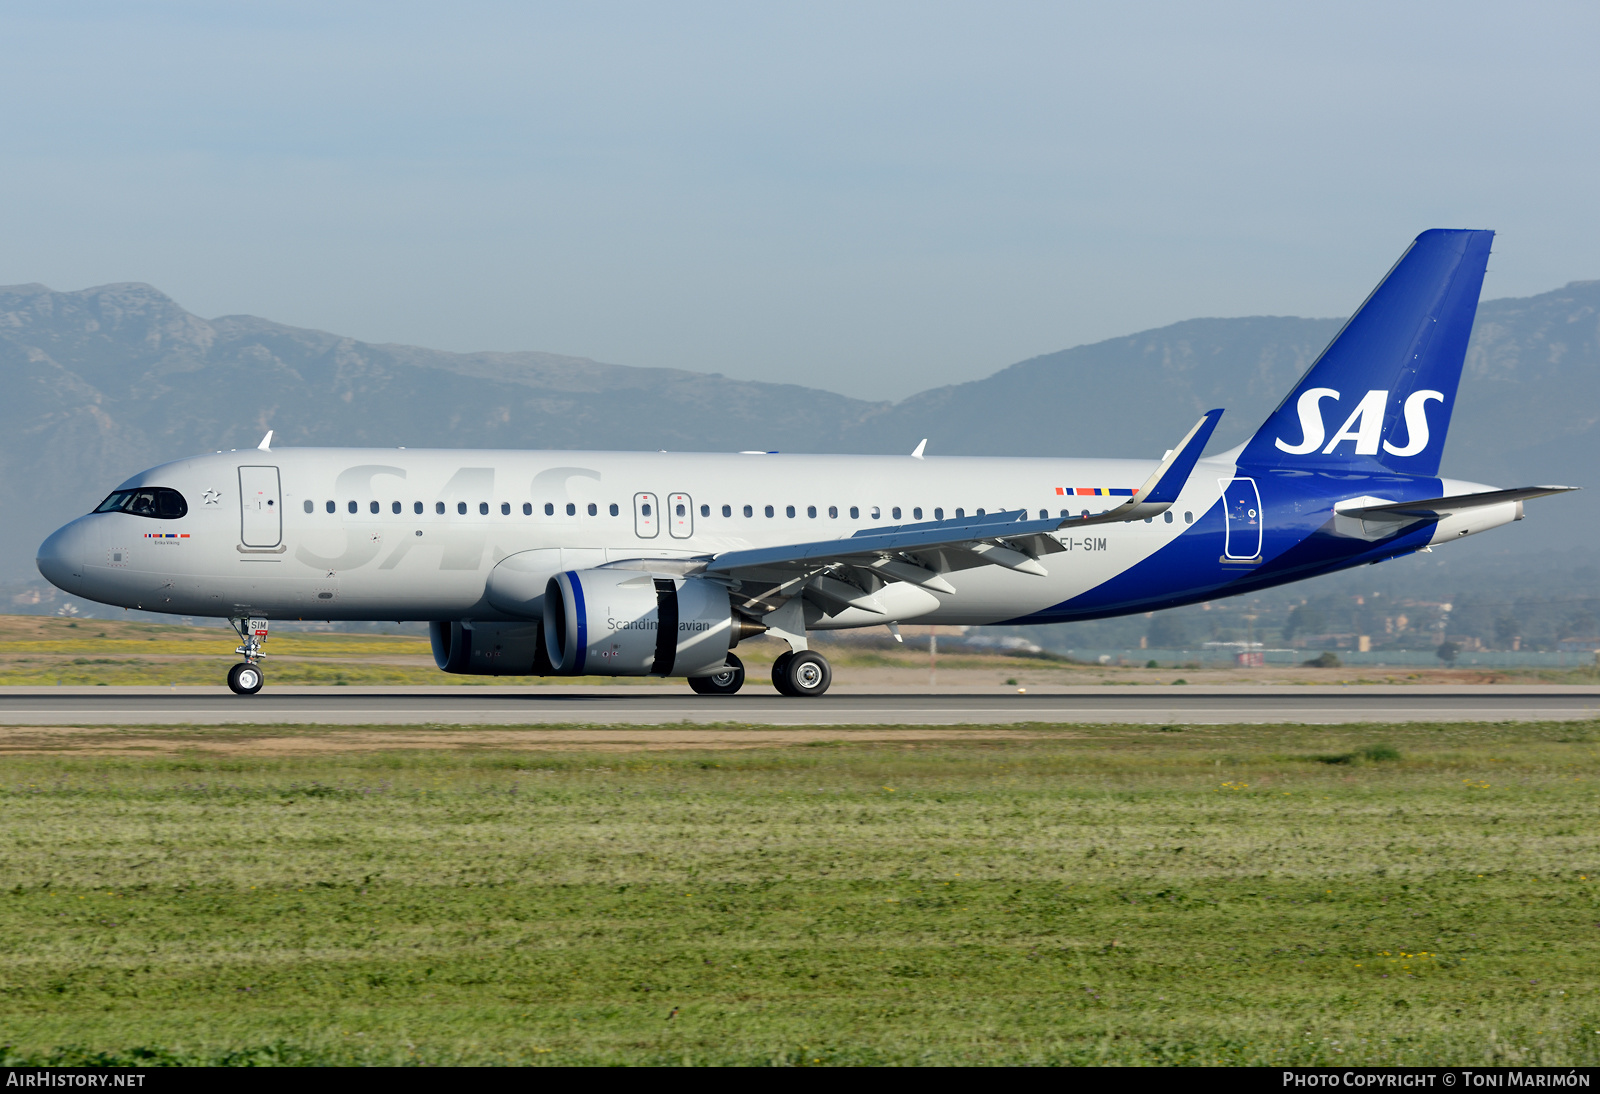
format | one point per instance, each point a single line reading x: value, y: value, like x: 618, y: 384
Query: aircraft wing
x: 850, y: 570
x: 1439, y: 508
x: 1004, y: 538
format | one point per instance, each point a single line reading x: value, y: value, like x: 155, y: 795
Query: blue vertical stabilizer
x: 1380, y: 396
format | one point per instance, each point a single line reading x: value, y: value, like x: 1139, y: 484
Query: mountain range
x: 106, y: 381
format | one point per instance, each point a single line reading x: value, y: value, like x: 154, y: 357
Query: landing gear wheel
x: 245, y: 679
x: 780, y: 673
x: 807, y: 674
x: 726, y: 682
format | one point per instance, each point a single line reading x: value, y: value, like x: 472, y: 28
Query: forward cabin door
x: 260, y: 507
x: 1242, y: 503
x: 646, y: 516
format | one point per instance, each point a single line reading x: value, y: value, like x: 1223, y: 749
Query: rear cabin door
x: 1243, y: 505
x: 646, y: 516
x: 260, y: 508
x: 680, y: 515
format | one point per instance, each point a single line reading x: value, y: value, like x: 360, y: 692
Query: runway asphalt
x: 666, y: 704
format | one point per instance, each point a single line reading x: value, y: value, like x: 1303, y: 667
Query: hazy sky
x: 873, y: 198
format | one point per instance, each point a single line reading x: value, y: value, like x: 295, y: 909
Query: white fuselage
x: 415, y: 534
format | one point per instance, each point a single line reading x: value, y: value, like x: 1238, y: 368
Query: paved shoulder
x: 653, y: 705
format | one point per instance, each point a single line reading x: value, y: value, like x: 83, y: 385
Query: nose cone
x: 63, y: 557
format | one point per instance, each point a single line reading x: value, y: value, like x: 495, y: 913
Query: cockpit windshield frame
x: 158, y: 502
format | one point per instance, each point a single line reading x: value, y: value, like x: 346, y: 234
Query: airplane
x: 658, y: 564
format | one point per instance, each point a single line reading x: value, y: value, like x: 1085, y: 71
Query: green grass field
x: 1215, y: 895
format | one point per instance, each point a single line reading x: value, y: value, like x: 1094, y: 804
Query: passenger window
x: 311, y: 506
x: 1065, y: 514
x: 416, y: 507
x: 438, y: 507
x: 395, y: 507
x: 461, y: 508
x: 527, y: 509
x: 916, y: 514
x: 938, y: 514
x: 788, y: 510
x: 769, y: 510
x: 613, y: 509
x: 372, y: 507
x: 895, y: 512
x: 483, y: 508
x: 855, y: 513
x: 833, y: 511
x: 811, y: 511
x: 549, y: 509
x: 1149, y: 520
x: 644, y: 510
x: 505, y: 509
x: 572, y: 510
x: 727, y: 510
x: 1044, y: 514
x: 594, y: 510
x: 353, y: 507
x: 877, y: 513
x: 1188, y: 518
x: 979, y: 513
x: 332, y: 508
x: 749, y: 512
x: 681, y: 511
x: 960, y: 513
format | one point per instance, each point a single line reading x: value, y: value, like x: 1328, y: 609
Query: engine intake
x: 628, y: 623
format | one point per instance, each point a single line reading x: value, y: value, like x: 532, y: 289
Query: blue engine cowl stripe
x: 581, y: 632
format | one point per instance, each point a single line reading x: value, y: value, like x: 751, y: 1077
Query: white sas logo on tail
x: 1364, y: 426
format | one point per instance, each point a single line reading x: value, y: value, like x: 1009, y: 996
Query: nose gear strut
x: 247, y: 678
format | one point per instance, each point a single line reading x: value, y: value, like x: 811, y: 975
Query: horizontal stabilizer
x: 1438, y: 508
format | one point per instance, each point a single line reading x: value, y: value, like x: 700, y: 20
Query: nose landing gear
x: 247, y: 678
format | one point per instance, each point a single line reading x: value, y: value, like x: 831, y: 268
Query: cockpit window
x: 148, y: 501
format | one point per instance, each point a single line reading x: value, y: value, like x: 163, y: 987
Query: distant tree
x: 1507, y: 628
x: 1447, y: 652
x: 1305, y: 619
x: 1326, y: 660
x: 1168, y: 631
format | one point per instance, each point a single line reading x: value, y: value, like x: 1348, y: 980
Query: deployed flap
x: 1436, y: 508
x: 1161, y: 489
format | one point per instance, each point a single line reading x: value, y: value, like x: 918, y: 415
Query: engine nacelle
x: 489, y: 649
x: 630, y: 623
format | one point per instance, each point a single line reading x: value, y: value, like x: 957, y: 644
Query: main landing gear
x: 793, y: 674
x: 726, y: 682
x: 247, y: 678
x: 801, y: 674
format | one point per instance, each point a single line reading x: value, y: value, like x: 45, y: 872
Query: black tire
x: 808, y: 674
x: 726, y: 682
x: 780, y: 673
x: 245, y: 679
